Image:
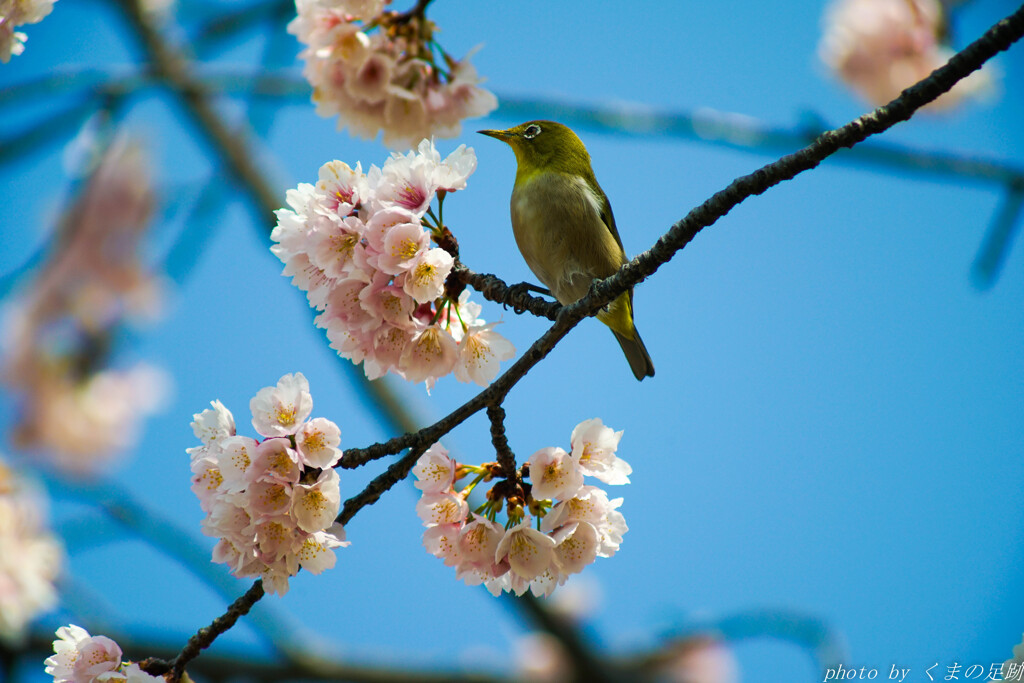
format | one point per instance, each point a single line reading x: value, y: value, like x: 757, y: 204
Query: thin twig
x: 493, y: 288
x: 380, y: 485
x: 205, y: 636
x: 507, y: 460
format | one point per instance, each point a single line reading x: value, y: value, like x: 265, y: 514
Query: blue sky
x: 835, y: 427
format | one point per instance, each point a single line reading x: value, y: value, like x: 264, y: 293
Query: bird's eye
x: 532, y: 131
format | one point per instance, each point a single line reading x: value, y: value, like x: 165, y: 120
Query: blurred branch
x: 232, y: 149
x: 588, y: 666
x: 735, y: 131
x: 235, y: 21
x: 739, y: 131
x: 992, y: 254
x: 121, y: 506
x: 811, y: 633
x: 48, y: 131
x: 634, y: 120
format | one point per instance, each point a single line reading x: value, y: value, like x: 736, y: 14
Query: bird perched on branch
x: 564, y: 226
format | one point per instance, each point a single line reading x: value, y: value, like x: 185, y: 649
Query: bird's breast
x: 557, y: 223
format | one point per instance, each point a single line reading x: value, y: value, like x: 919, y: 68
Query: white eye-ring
x: 532, y: 131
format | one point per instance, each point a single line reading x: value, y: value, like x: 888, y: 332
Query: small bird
x: 564, y: 226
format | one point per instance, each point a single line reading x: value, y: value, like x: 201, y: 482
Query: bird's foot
x: 517, y: 292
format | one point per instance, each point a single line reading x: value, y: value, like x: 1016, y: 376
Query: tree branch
x: 205, y: 636
x: 506, y: 458
x: 996, y: 39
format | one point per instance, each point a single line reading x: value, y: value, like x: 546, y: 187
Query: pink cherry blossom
x: 578, y: 523
x: 317, y: 442
x: 481, y: 350
x: 336, y: 248
x: 281, y: 410
x: 314, y: 506
x: 478, y: 543
x: 529, y: 552
x: 271, y: 505
x: 315, y: 554
x: 30, y: 556
x: 275, y: 460
x: 213, y: 423
x: 234, y: 456
x: 576, y: 546
x: 402, y: 244
x: 424, y: 281
x: 441, y: 508
x: 432, y: 353
x: 434, y: 471
x: 81, y: 658
x: 357, y: 244
x: 554, y: 474
x: 593, y: 447
x: 442, y: 540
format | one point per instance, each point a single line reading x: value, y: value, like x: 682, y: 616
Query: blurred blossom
x: 359, y: 245
x: 700, y: 660
x: 58, y: 333
x: 1013, y: 669
x: 82, y: 422
x: 579, y: 599
x: 383, y: 70
x: 271, y: 504
x: 14, y: 13
x: 540, y: 658
x: 30, y: 556
x: 881, y: 47
x: 159, y: 10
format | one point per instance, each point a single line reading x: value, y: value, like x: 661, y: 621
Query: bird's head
x: 545, y: 146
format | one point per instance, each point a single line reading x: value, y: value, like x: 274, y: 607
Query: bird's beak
x: 503, y: 135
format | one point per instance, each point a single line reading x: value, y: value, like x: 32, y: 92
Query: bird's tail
x: 619, y: 317
x: 636, y: 353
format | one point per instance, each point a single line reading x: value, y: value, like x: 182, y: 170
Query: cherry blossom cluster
x: 383, y: 70
x: 881, y: 47
x: 556, y: 524
x: 359, y: 245
x: 272, y: 503
x: 82, y: 658
x: 71, y: 404
x: 30, y: 556
x: 14, y: 13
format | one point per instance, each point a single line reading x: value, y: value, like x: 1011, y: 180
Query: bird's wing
x: 609, y: 221
x: 608, y: 217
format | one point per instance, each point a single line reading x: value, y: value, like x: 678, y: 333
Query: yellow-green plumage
x: 564, y: 226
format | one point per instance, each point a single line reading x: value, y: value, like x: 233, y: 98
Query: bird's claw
x: 520, y: 291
